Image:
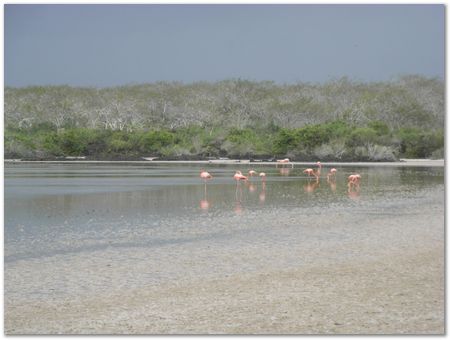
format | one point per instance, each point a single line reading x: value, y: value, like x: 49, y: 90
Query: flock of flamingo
x: 353, y: 181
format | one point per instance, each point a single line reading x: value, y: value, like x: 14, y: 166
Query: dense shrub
x: 119, y: 142
x: 338, y: 129
x: 153, y: 141
x: 244, y: 143
x: 416, y: 143
x: 284, y: 141
x: 330, y: 141
x: 18, y: 144
x: 51, y: 145
x: 380, y: 128
x: 361, y: 137
x: 313, y: 135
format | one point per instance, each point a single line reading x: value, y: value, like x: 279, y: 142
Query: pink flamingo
x: 252, y: 173
x: 284, y: 161
x: 205, y: 175
x: 319, y: 165
x: 331, y: 174
x: 238, y: 176
x: 353, y: 186
x: 353, y: 181
x: 204, y: 203
x: 263, y: 176
x: 311, y: 172
x: 331, y: 179
x: 354, y: 178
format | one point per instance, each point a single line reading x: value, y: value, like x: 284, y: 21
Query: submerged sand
x: 377, y: 269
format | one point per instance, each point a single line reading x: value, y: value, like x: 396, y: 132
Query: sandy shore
x: 384, y: 296
x: 376, y: 270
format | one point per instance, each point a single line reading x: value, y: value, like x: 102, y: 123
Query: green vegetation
x: 329, y: 141
x: 340, y: 120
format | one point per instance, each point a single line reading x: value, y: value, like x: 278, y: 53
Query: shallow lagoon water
x: 102, y: 249
x: 55, y: 207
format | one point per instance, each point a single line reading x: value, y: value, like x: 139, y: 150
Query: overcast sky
x: 109, y: 45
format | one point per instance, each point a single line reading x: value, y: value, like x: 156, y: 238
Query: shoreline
x: 402, y: 163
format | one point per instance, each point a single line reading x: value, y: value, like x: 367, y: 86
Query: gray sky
x: 109, y: 45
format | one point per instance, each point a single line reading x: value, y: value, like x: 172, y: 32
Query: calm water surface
x: 60, y: 208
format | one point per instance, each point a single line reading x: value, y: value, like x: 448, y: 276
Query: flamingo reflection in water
x: 204, y: 204
x: 310, y: 187
x: 262, y: 194
x: 238, y: 207
x: 284, y: 171
x: 251, y: 187
x: 332, y: 184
